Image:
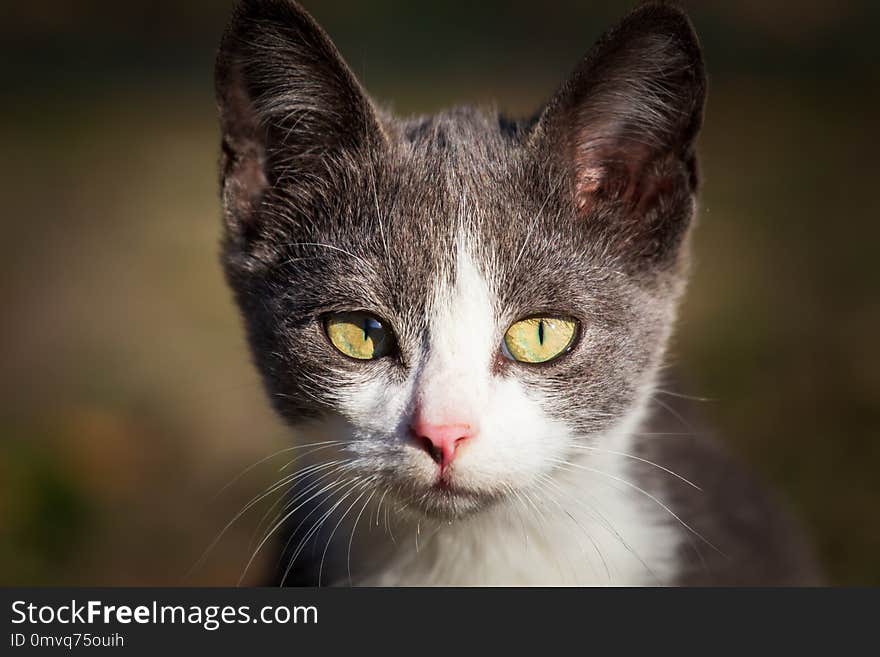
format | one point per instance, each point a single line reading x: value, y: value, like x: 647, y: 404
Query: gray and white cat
x: 464, y: 317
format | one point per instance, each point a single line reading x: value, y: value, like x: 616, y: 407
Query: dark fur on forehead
x: 333, y: 205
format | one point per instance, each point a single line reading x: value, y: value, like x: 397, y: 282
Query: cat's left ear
x: 623, y: 128
x: 291, y: 111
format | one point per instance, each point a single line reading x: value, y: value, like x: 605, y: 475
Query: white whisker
x: 643, y: 492
x: 641, y: 460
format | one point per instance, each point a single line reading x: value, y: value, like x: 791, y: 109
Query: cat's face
x: 461, y: 301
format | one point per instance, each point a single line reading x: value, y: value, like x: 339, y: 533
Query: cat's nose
x: 440, y: 441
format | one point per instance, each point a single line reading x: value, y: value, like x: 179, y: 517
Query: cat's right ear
x: 623, y: 128
x: 290, y: 109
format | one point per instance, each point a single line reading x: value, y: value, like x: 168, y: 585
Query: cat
x: 464, y: 318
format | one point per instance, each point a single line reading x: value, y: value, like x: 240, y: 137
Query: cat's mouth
x: 444, y: 484
x: 450, y: 492
x: 446, y: 499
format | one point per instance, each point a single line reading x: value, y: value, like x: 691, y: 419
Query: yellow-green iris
x: 539, y: 339
x: 358, y: 335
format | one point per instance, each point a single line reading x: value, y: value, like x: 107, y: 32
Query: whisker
x: 379, y: 507
x: 333, y: 533
x: 646, y: 494
x: 545, y: 482
x: 678, y: 416
x: 609, y: 527
x: 662, y: 434
x: 247, y: 507
x: 681, y: 396
x: 316, y: 527
x: 277, y: 526
x: 326, y: 491
x: 351, y: 538
x: 641, y: 460
x: 331, y: 247
x: 309, y: 472
x: 261, y: 461
x: 320, y: 447
x: 520, y: 517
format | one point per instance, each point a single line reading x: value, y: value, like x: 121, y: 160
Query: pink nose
x: 441, y: 441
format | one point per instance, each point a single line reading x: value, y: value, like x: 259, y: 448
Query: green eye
x: 539, y: 339
x: 358, y: 335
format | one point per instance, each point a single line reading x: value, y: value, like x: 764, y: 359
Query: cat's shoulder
x: 744, y: 533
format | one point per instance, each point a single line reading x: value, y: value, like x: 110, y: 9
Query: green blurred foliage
x: 45, y: 528
x: 126, y: 396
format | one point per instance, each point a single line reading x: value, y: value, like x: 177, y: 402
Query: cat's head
x: 460, y: 299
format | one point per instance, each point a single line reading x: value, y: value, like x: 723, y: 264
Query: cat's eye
x: 359, y: 335
x: 539, y: 339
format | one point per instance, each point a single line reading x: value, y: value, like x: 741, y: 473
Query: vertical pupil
x: 366, y: 328
x: 541, y: 332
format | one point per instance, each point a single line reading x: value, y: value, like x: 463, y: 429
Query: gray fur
x: 333, y: 205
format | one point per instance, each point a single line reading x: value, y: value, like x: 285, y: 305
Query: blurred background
x: 127, y: 399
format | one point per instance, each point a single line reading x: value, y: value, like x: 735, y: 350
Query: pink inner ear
x: 619, y: 172
x: 588, y: 181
